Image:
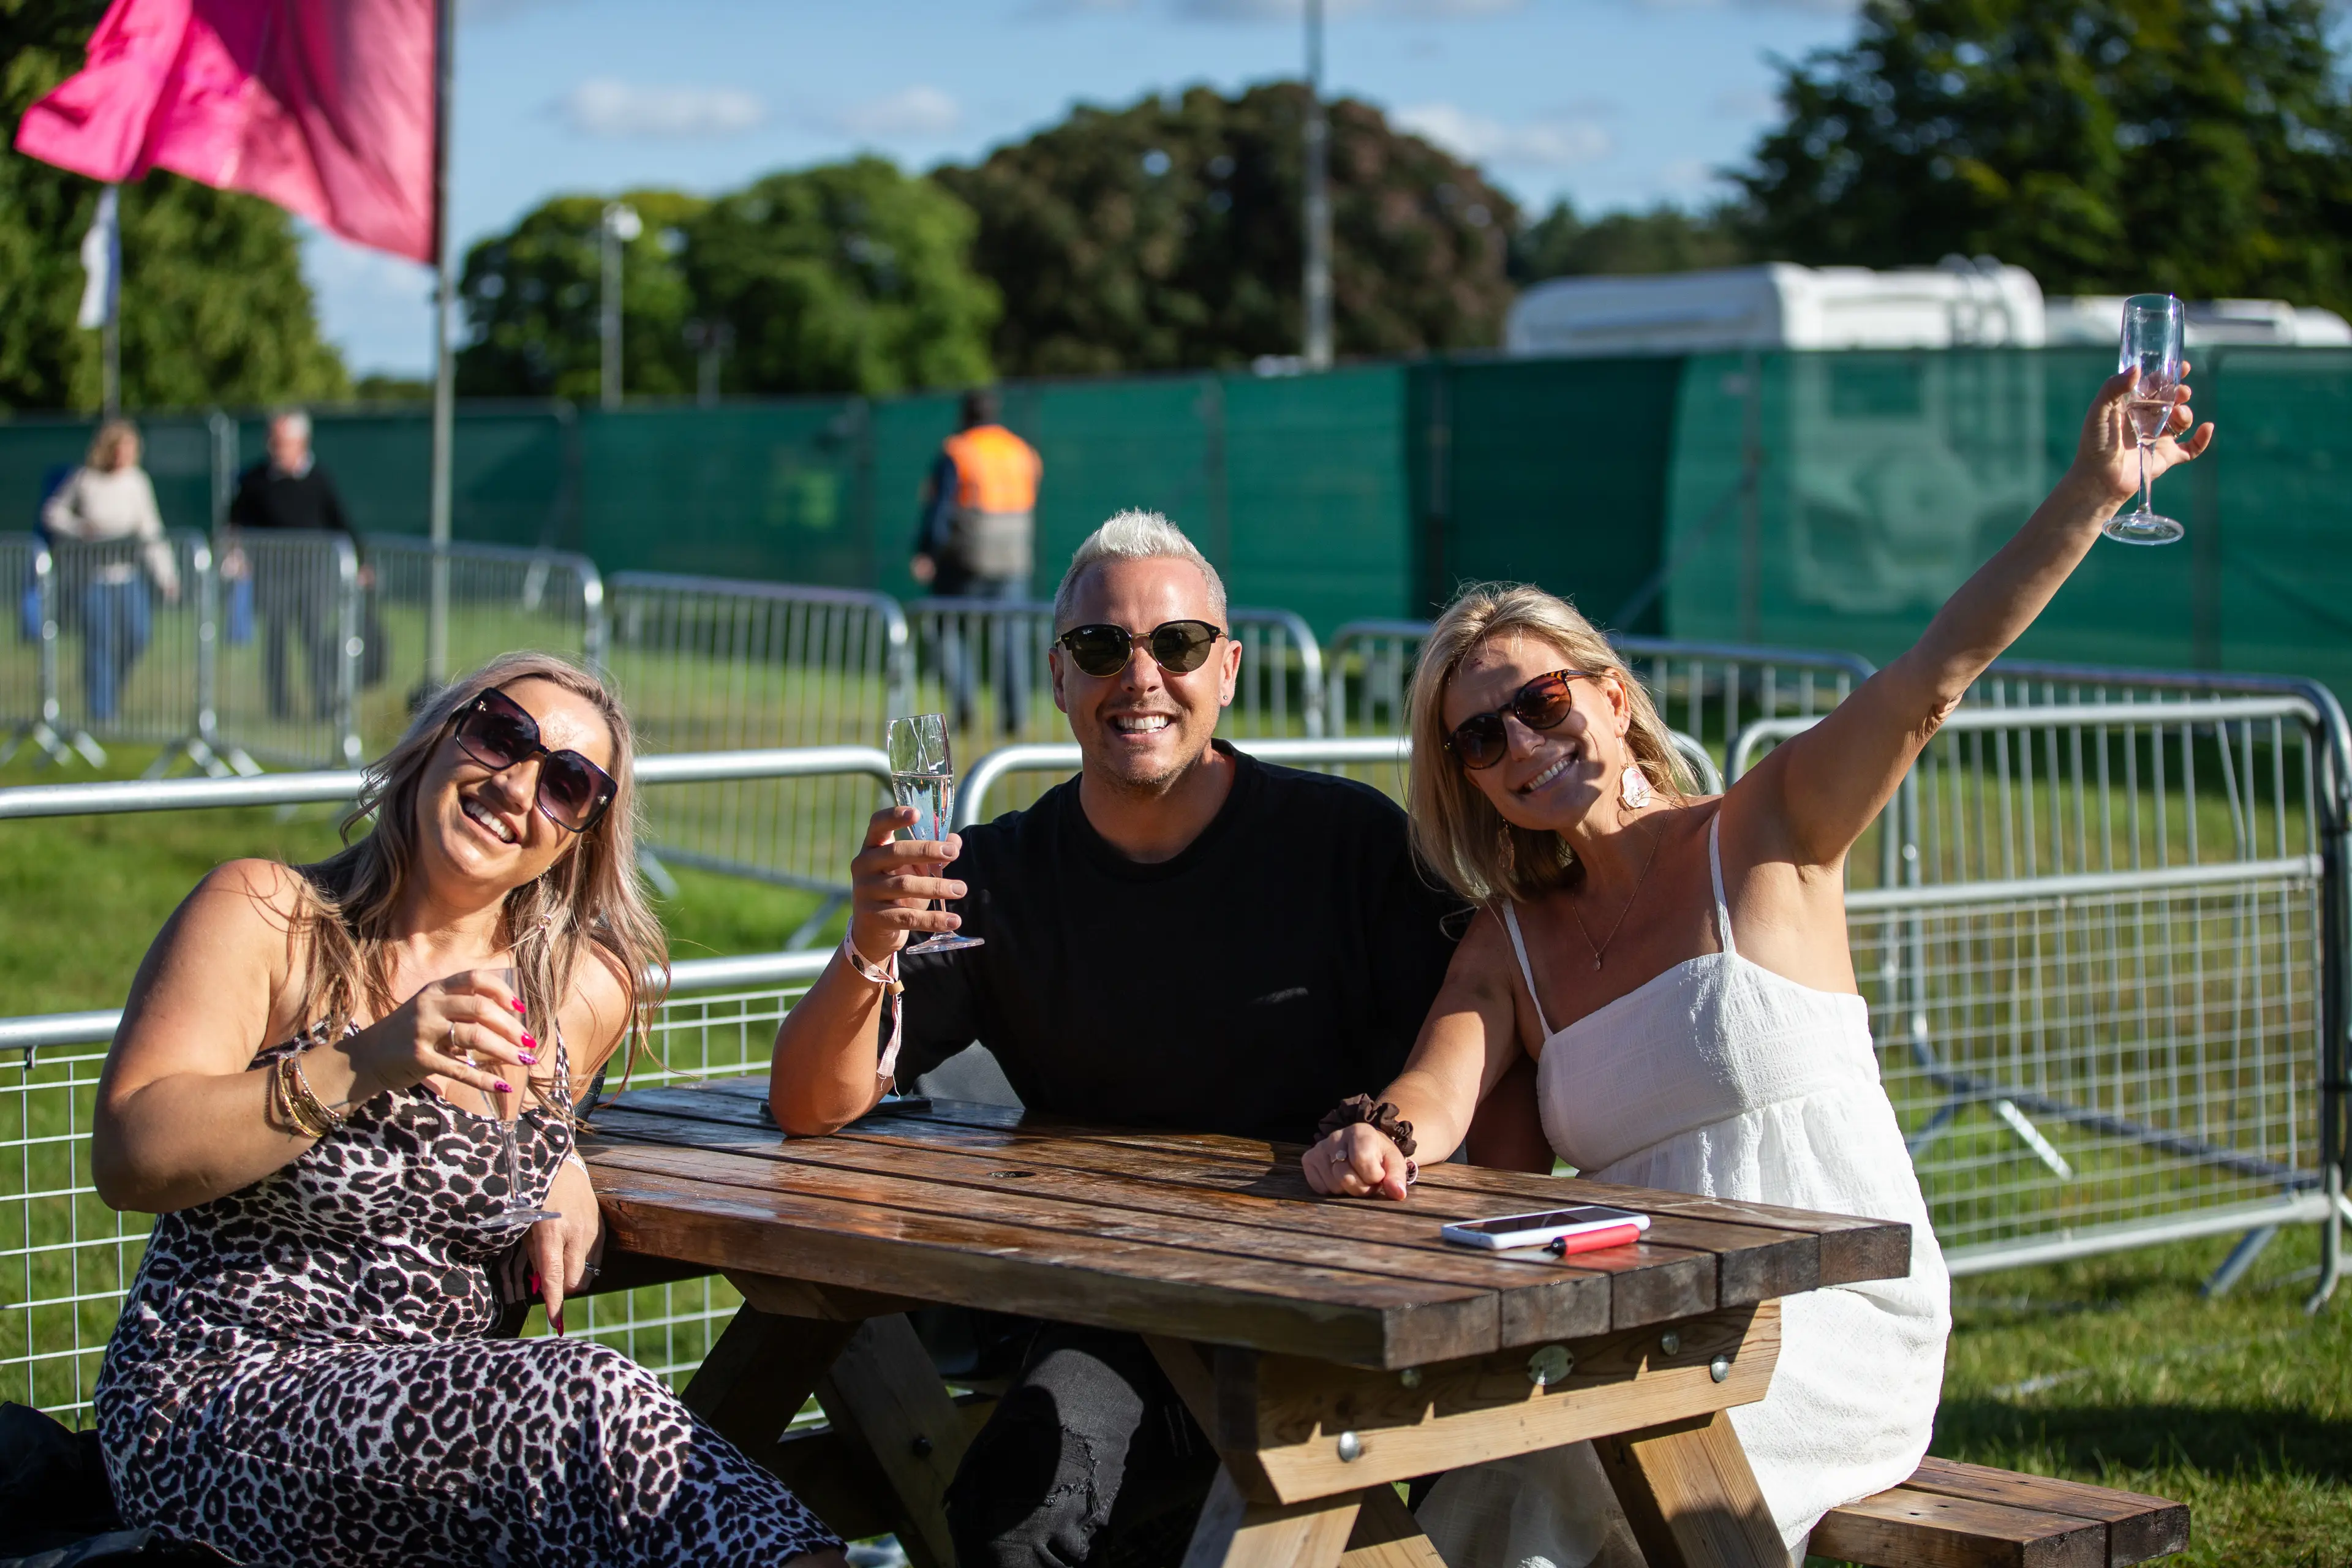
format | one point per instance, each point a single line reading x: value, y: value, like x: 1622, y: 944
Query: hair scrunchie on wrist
x: 1381, y: 1117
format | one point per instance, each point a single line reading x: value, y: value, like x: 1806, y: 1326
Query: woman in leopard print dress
x: 307, y: 1087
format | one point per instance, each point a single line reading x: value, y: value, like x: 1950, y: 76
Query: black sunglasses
x: 1179, y: 647
x: 498, y: 732
x: 1481, y: 740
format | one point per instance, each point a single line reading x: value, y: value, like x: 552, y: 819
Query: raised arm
x: 183, y: 1116
x: 826, y: 1071
x: 1470, y: 1040
x: 1821, y: 790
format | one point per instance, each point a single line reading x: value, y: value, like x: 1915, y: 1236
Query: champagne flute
x: 2151, y: 344
x: 922, y: 775
x: 518, y: 1214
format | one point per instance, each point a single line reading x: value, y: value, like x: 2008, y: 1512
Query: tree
x: 1666, y: 239
x: 533, y: 298
x: 2107, y: 145
x: 846, y: 277
x: 215, y: 307
x: 1167, y: 235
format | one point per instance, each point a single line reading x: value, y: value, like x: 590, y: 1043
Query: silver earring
x: 1634, y: 787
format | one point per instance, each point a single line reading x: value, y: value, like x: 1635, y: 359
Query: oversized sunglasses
x: 1179, y: 647
x: 1481, y: 740
x: 498, y: 732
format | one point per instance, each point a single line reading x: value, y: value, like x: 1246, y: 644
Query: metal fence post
x: 45, y: 731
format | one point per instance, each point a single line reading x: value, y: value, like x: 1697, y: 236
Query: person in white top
x: 107, y: 527
x: 1678, y: 969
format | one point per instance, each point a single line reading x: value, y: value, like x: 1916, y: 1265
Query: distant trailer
x: 2274, y: 323
x: 1961, y: 304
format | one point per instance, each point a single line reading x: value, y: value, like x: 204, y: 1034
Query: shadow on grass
x: 2216, y: 1440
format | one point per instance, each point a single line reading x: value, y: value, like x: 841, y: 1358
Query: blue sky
x: 1608, y: 102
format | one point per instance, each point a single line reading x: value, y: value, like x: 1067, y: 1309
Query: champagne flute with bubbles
x: 923, y: 776
x: 2152, y: 344
x: 518, y: 1214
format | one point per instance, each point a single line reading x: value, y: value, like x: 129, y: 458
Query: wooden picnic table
x: 1328, y: 1347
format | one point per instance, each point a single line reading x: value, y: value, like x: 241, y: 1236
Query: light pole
x: 1317, y: 284
x: 621, y: 226
x: 711, y: 341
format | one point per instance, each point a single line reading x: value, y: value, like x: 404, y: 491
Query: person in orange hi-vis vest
x: 978, y: 542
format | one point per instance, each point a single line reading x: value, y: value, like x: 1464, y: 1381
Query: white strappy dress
x: 1723, y: 1079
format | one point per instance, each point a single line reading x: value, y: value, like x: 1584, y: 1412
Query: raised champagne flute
x: 2152, y: 342
x: 922, y: 775
x: 518, y: 1214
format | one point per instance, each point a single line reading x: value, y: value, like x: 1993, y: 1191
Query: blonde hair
x: 1455, y: 829
x: 108, y: 441
x: 588, y: 904
x: 1133, y: 535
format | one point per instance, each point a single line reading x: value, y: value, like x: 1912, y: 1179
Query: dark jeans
x: 317, y: 649
x: 958, y: 661
x: 1090, y: 1461
x: 115, y: 626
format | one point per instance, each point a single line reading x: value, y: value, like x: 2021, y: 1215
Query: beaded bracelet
x: 296, y: 1103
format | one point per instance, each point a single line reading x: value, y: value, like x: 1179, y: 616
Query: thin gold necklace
x: 1602, y: 946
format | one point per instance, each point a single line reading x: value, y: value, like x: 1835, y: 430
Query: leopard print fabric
x: 299, y: 1376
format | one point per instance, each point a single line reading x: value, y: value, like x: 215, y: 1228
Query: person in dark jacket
x: 293, y: 589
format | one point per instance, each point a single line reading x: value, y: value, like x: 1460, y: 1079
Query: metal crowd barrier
x: 29, y: 704
x: 1331, y: 752
x: 66, y: 1258
x: 500, y: 598
x: 706, y: 664
x: 289, y: 647
x: 2109, y: 986
x: 982, y: 662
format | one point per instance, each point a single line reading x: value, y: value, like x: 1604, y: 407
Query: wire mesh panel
x: 502, y: 600
x: 710, y: 665
x: 289, y: 647
x: 2097, y: 992
x: 65, y: 1257
x: 132, y: 632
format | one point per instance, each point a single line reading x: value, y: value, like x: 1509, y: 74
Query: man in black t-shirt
x: 296, y: 594
x: 1181, y: 937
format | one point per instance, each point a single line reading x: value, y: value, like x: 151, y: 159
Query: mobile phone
x: 1534, y: 1229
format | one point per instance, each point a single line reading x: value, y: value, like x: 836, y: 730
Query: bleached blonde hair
x: 1455, y: 827
x: 1134, y: 535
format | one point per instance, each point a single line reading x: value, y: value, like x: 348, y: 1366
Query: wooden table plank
x: 1903, y: 1527
x: 2139, y: 1526
x: 1356, y: 1319
x: 1545, y: 1300
x: 1053, y: 1218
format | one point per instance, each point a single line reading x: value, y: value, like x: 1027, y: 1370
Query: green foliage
x: 532, y: 299
x: 1666, y: 239
x: 214, y: 309
x: 846, y: 277
x: 2107, y: 145
x: 1167, y: 235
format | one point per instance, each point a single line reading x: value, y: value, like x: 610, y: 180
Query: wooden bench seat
x: 1950, y: 1515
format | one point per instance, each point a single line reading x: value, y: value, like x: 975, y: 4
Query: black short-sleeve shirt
x: 1284, y: 960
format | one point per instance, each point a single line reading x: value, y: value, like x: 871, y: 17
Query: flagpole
x: 445, y: 369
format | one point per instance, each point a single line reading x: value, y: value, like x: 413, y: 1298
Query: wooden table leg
x: 1691, y: 1498
x: 1387, y: 1535
x: 759, y: 1374
x: 883, y: 1393
x: 1235, y: 1532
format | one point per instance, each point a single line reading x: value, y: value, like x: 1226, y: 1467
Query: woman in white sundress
x: 1678, y: 969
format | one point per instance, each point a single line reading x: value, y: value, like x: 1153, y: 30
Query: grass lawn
x: 2113, y: 1370
x: 81, y: 897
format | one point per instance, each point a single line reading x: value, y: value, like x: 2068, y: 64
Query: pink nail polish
x: 530, y: 1059
x: 505, y: 1088
x: 517, y: 1004
x: 528, y: 1044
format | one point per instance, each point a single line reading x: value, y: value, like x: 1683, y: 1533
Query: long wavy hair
x: 1455, y: 827
x: 588, y: 904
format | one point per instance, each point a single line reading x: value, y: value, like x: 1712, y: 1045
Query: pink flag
x: 324, y: 107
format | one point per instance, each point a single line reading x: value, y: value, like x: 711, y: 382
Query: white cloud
x: 910, y: 112
x: 1539, y: 143
x: 604, y: 107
